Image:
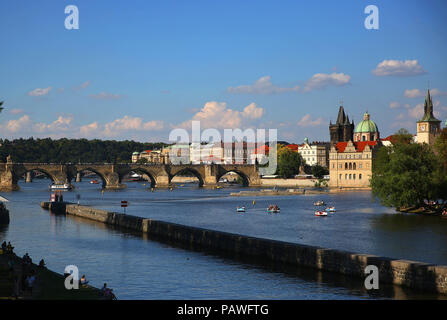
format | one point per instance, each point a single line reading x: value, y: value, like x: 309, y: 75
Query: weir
x: 412, y: 274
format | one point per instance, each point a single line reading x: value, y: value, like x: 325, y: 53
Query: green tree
x: 288, y: 162
x: 403, y: 175
x: 319, y: 171
x: 142, y: 161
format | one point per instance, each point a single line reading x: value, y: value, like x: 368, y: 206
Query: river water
x: 139, y: 268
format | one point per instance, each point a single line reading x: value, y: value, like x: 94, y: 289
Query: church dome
x: 366, y: 125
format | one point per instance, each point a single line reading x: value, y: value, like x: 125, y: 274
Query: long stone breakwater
x: 412, y: 274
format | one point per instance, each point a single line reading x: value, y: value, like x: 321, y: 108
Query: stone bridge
x: 160, y: 175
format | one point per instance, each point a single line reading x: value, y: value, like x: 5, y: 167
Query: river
x: 138, y: 268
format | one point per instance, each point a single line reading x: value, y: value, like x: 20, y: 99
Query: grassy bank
x: 49, y: 285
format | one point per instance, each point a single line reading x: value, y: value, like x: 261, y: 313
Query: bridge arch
x: 97, y: 172
x: 189, y: 170
x: 243, y: 176
x: 24, y: 171
x: 141, y: 170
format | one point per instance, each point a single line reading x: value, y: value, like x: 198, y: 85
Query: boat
x: 240, y: 209
x: 94, y: 181
x: 273, y: 209
x: 65, y: 186
x: 319, y: 213
x: 330, y: 209
x: 319, y: 203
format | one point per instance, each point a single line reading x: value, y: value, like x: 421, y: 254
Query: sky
x: 139, y: 69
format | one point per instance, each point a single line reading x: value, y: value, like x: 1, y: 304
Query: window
x: 346, y: 177
x: 346, y: 166
x: 349, y: 176
x: 354, y: 166
x: 353, y: 176
x: 360, y: 176
x: 333, y: 165
x: 340, y: 176
x: 350, y: 166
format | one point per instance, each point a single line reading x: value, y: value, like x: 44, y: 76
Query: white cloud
x: 39, y: 92
x: 398, y: 68
x: 13, y: 126
x: 306, y: 121
x: 416, y: 93
x: 105, y: 96
x: 394, y: 105
x: 83, y: 85
x: 127, y: 123
x: 417, y: 112
x: 89, y: 129
x: 263, y: 85
x: 61, y: 124
x: 16, y: 111
x: 323, y: 80
x: 217, y: 115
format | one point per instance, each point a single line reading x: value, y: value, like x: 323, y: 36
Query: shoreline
x: 412, y: 274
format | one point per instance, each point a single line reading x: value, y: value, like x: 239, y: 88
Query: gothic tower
x: 428, y: 127
x: 342, y: 130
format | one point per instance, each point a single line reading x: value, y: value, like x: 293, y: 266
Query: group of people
x: 273, y: 207
x: 7, y: 248
x: 107, y: 293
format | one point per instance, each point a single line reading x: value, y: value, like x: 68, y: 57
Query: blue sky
x: 137, y: 69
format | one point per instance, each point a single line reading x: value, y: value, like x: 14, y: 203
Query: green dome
x: 366, y: 125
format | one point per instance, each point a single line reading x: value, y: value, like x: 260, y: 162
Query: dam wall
x: 412, y: 274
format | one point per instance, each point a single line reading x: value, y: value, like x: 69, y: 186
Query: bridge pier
x: 78, y: 177
x: 8, y: 181
x: 29, y: 177
x: 113, y: 181
x: 162, y: 181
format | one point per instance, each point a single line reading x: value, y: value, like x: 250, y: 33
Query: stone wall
x: 288, y: 183
x: 411, y: 274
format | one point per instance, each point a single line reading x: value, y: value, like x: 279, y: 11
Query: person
x: 56, y: 197
x: 83, y: 280
x: 4, y: 247
x: 9, y: 248
x: 30, y: 281
x: 42, y: 264
x: 104, y: 289
x: 61, y: 197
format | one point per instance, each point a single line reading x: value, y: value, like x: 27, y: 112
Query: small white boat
x: 274, y: 209
x: 330, y: 209
x: 319, y: 203
x: 240, y: 209
x: 65, y: 186
x: 319, y: 213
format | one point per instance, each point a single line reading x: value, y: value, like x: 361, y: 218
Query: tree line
x: 72, y: 150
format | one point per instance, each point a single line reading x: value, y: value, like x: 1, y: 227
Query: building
x: 350, y: 163
x: 342, y: 130
x: 428, y: 128
x: 151, y: 156
x: 315, y: 153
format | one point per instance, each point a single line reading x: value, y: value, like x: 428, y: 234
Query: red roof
x: 293, y: 147
x: 359, y: 145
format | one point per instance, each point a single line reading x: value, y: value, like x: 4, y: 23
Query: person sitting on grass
x: 42, y: 264
x: 83, y: 280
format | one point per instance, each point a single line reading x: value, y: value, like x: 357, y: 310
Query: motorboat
x: 240, y: 209
x: 65, y: 186
x: 319, y: 213
x: 330, y: 209
x: 94, y: 181
x: 319, y: 203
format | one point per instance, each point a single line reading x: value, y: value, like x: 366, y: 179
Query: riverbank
x: 274, y: 192
x: 49, y: 285
x: 417, y: 275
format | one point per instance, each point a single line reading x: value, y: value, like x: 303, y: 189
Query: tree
x: 401, y: 136
x: 288, y: 162
x: 319, y: 171
x: 142, y: 161
x: 404, y: 175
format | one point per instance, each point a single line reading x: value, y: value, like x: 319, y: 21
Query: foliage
x: 401, y: 136
x: 319, y: 171
x: 288, y: 162
x: 142, y: 161
x: 404, y: 175
x: 72, y: 150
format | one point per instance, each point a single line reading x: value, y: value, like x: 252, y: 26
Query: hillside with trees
x: 72, y: 150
